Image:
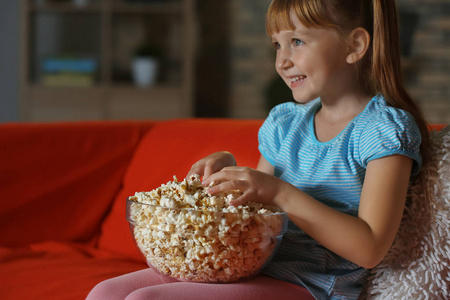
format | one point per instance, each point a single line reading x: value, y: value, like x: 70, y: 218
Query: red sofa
x: 63, y: 191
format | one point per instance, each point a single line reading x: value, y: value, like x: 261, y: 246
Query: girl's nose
x: 283, y: 60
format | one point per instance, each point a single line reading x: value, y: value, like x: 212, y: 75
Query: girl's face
x: 312, y: 61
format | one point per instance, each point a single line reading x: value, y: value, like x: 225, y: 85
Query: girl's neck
x: 335, y: 114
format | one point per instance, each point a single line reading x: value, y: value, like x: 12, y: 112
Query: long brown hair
x: 380, y: 70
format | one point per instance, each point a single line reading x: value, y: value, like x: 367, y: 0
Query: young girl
x: 338, y: 162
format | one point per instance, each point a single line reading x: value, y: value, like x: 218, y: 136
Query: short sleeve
x: 389, y: 132
x: 274, y: 130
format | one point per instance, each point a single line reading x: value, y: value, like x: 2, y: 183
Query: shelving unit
x: 108, y: 31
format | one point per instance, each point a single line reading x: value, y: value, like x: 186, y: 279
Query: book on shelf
x: 68, y: 71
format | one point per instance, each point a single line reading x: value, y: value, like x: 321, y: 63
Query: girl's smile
x: 297, y: 81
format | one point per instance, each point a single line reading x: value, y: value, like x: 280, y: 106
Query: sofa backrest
x: 57, y: 181
x: 169, y: 149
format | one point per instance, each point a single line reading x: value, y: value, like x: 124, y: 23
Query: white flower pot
x: 145, y: 71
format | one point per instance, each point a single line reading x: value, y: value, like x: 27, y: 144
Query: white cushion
x: 418, y: 264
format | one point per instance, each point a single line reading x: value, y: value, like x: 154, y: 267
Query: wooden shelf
x: 64, y: 8
x: 138, y: 8
x: 109, y: 98
x: 154, y: 8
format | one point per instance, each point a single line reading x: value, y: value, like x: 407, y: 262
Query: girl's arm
x: 363, y: 240
x: 265, y: 166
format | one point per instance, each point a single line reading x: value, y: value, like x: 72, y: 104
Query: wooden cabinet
x: 106, y: 33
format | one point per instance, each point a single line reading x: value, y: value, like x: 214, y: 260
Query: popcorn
x: 188, y: 234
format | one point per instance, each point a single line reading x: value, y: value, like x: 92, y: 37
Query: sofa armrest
x: 58, y: 180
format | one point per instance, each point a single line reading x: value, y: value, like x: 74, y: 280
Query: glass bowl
x: 205, y: 246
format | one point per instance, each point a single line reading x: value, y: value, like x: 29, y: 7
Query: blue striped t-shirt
x: 333, y: 173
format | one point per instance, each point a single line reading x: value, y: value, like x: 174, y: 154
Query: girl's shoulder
x: 380, y: 116
x: 383, y: 130
x: 288, y: 112
x: 284, y: 120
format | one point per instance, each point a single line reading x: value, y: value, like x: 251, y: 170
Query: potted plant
x: 145, y: 65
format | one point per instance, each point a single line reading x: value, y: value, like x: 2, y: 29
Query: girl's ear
x: 359, y: 42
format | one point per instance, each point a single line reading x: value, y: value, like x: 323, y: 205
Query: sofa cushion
x: 59, y: 179
x: 53, y: 270
x: 169, y: 149
x: 418, y: 264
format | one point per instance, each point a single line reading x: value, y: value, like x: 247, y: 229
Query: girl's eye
x: 276, y: 45
x: 297, y: 42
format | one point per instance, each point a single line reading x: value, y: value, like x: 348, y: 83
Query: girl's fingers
x: 202, y: 169
x: 208, y: 171
x: 241, y: 200
x: 212, y: 163
x: 226, y: 174
x: 225, y: 186
x: 255, y: 185
x: 193, y: 171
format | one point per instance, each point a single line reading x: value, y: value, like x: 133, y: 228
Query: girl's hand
x: 212, y: 164
x: 256, y: 186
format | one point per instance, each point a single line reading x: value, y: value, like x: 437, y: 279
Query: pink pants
x: 147, y: 284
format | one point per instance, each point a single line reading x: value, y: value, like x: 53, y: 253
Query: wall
x: 9, y: 61
x: 427, y: 66
x: 252, y: 66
